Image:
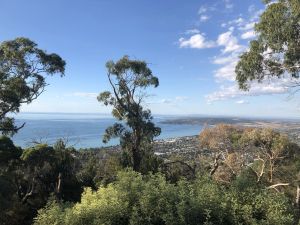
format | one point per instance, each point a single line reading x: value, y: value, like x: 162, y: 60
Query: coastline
x: 186, y: 145
x: 176, y: 135
x: 189, y: 146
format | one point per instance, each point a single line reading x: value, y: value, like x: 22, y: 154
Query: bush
x: 151, y: 200
x: 8, y: 151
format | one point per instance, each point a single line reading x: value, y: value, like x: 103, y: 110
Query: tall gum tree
x: 23, y: 68
x: 128, y: 80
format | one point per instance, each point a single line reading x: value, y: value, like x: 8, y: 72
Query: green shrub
x: 8, y: 150
x: 151, y: 200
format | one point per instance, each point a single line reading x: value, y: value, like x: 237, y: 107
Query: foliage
x: 132, y: 198
x: 128, y: 79
x: 267, y: 155
x: 150, y: 199
x: 176, y: 168
x: 270, y: 148
x: 8, y: 151
x: 98, y: 166
x: 31, y: 176
x: 223, y: 141
x: 222, y: 137
x: 275, y: 52
x: 23, y: 67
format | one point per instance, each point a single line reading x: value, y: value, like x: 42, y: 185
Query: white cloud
x: 241, y: 28
x: 247, y: 26
x: 239, y: 21
x: 205, y: 9
x: 251, y: 9
x: 232, y: 47
x: 196, y: 41
x: 204, y: 13
x: 242, y: 102
x: 256, y: 15
x: 229, y: 6
x: 192, y: 31
x: 171, y: 101
x: 85, y: 94
x: 226, y: 72
x: 202, y: 10
x: 223, y: 59
x: 229, y: 41
x: 267, y: 87
x: 228, y: 62
x: 248, y: 35
x: 204, y: 18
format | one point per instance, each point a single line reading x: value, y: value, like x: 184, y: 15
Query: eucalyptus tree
x: 271, y: 149
x: 23, y: 67
x: 276, y: 50
x: 128, y: 80
x: 223, y: 141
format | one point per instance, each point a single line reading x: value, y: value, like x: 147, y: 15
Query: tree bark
x: 298, y: 197
x: 29, y: 193
x: 215, y: 165
x: 136, y: 151
x: 58, y: 187
x: 271, y: 171
x: 136, y: 158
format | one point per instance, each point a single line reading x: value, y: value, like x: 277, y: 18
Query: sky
x: 191, y: 46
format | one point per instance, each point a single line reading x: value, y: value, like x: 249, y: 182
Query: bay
x: 84, y: 130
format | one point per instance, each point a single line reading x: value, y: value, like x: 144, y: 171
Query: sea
x: 82, y: 130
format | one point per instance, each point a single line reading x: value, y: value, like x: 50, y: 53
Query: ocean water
x: 83, y: 130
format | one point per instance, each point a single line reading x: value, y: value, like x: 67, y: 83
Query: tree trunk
x: 215, y: 165
x: 136, y: 151
x: 136, y: 158
x: 29, y: 193
x: 271, y: 172
x: 58, y: 186
x: 262, y: 170
x: 298, y: 197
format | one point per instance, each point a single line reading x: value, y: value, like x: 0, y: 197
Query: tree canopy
x: 23, y: 67
x: 276, y: 51
x: 129, y: 79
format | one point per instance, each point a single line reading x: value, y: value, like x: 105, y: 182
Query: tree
x: 276, y: 51
x: 23, y: 67
x: 29, y: 177
x: 8, y: 152
x: 223, y: 141
x: 128, y: 80
x: 152, y: 200
x: 271, y: 148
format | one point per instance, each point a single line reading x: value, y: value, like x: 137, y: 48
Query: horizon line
x: 179, y: 115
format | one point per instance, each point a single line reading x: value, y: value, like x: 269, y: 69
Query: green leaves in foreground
x: 135, y: 199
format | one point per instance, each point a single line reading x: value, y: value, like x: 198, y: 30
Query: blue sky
x: 192, y: 46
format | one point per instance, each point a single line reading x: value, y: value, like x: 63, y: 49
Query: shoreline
x: 162, y: 147
x: 184, y: 143
x: 189, y: 145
